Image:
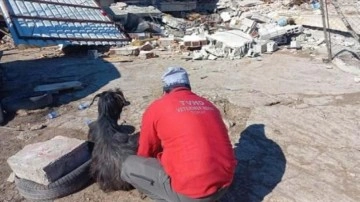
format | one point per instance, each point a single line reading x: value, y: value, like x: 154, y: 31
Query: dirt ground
x: 294, y: 121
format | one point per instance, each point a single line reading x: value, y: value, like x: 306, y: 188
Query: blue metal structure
x: 52, y: 22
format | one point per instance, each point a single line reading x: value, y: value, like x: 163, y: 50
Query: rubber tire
x: 68, y: 184
x: 1, y: 115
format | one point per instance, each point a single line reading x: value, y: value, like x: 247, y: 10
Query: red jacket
x: 188, y: 136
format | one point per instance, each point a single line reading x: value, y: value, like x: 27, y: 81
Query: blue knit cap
x: 175, y: 77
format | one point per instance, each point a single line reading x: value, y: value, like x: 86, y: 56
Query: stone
x: 125, y: 51
x: 45, y: 162
x: 357, y: 79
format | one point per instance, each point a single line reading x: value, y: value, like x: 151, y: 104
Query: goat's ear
x: 96, y: 96
x: 126, y: 103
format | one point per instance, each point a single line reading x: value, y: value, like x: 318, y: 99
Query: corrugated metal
x: 51, y: 22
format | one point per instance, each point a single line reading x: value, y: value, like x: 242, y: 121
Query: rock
x: 45, y: 162
x: 357, y: 79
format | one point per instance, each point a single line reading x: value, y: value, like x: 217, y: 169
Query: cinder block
x: 46, y: 162
x: 125, y: 51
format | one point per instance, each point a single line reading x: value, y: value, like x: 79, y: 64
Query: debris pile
x: 217, y: 29
x: 235, y: 30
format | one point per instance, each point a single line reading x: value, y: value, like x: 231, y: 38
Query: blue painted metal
x: 52, y: 22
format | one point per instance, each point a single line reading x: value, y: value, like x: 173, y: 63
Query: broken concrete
x: 234, y: 43
x: 45, y: 162
x: 125, y: 51
x: 272, y: 31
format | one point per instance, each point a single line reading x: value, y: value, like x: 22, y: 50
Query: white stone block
x: 45, y: 162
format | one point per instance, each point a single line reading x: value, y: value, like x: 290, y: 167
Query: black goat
x: 111, y: 146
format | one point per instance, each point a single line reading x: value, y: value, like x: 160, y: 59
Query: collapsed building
x: 207, y: 29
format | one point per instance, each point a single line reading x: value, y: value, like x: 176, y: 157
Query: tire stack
x: 66, y: 185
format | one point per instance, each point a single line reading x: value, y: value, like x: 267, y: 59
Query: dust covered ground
x: 294, y: 121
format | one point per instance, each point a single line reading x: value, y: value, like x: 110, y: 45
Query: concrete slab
x: 232, y: 38
x: 45, y: 162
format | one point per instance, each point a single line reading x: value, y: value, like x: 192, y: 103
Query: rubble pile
x: 237, y: 29
x: 230, y: 29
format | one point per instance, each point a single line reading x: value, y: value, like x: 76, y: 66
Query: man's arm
x: 149, y: 142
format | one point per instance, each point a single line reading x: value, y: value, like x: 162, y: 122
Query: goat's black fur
x: 111, y: 146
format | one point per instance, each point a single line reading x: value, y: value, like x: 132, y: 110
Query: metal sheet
x: 51, y: 22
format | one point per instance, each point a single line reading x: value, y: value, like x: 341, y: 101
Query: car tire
x: 66, y: 185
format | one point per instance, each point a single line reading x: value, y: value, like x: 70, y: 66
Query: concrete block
x: 125, y: 51
x: 45, y: 162
x: 271, y: 47
x: 260, y: 48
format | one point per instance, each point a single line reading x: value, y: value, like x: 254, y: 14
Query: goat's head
x: 111, y: 103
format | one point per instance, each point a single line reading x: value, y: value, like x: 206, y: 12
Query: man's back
x: 196, y: 151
